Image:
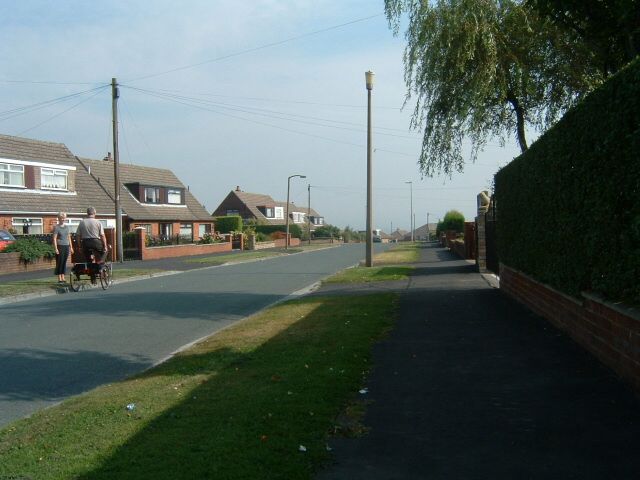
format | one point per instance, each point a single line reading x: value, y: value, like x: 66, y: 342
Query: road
x: 55, y: 347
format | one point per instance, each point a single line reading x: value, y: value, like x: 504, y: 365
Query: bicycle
x: 92, y: 270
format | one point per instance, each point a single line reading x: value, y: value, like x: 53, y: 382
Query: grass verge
x: 21, y: 287
x: 388, y: 266
x: 238, y: 405
x: 254, y: 255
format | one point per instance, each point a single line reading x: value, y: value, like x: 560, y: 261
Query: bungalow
x: 265, y: 210
x: 39, y: 179
x: 152, y: 198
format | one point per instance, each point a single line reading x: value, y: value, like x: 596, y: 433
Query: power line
x: 15, y: 112
x: 44, y: 82
x: 255, y: 49
x: 61, y: 113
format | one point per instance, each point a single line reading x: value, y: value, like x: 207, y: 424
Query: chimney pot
x: 238, y: 188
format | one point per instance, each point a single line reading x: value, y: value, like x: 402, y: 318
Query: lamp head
x: 369, y: 79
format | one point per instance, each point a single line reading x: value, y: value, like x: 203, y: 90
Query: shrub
x: 228, y: 224
x: 294, y: 229
x: 569, y: 208
x: 453, y: 220
x: 31, y: 249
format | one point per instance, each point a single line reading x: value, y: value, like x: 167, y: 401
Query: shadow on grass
x: 392, y: 271
x: 254, y: 408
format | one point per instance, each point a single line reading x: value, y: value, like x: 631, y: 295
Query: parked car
x: 5, y: 239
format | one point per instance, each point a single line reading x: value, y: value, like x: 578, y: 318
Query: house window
x: 72, y: 223
x: 269, y: 212
x: 54, y: 179
x: 152, y: 195
x: 27, y: 226
x: 279, y: 213
x: 186, y: 230
x: 233, y: 212
x: 203, y: 229
x: 11, y: 175
x: 174, y: 197
x: 166, y: 230
x: 298, y: 217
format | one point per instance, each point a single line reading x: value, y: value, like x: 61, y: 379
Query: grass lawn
x: 51, y: 283
x: 250, y: 256
x: 243, y: 404
x: 388, y: 265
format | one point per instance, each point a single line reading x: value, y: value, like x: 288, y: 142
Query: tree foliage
x: 610, y: 29
x: 481, y: 69
x: 326, y: 231
x: 453, y: 220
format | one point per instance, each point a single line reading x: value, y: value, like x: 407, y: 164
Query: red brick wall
x: 10, y: 263
x: 155, y: 253
x: 610, y: 332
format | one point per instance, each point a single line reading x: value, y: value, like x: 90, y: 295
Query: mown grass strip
x: 250, y: 256
x: 389, y: 265
x: 21, y: 287
x: 236, y: 406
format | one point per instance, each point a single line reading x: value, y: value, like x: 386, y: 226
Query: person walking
x: 62, y: 245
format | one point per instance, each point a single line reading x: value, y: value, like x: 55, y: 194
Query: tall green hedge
x: 226, y: 224
x: 569, y: 207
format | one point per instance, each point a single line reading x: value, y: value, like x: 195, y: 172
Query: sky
x: 227, y: 93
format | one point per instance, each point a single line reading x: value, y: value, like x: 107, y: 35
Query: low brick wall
x: 277, y: 243
x: 610, y: 332
x: 458, y: 247
x: 10, y: 263
x: 155, y: 253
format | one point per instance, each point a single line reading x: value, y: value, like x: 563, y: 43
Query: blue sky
x: 294, y: 108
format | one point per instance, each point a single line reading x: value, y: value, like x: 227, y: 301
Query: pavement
x: 472, y: 385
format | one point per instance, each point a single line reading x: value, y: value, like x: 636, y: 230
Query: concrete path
x: 55, y: 347
x: 471, y: 385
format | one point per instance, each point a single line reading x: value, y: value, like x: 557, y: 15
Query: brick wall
x: 171, y: 251
x: 610, y: 332
x: 10, y: 263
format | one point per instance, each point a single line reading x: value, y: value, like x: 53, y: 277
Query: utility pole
x: 369, y: 76
x: 115, y: 93
x: 309, y: 212
x: 428, y: 231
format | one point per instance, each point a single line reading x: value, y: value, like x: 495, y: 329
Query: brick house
x: 152, y: 198
x: 39, y: 179
x: 265, y: 210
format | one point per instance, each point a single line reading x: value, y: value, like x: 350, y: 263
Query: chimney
x: 108, y: 157
x: 238, y: 188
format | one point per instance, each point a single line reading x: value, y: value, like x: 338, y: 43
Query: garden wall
x: 172, y: 251
x: 10, y: 263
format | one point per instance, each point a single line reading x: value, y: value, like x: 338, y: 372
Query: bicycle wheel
x: 74, y: 282
x: 106, y: 276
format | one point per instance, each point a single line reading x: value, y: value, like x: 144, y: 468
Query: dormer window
x: 152, y: 195
x: 174, y: 197
x: 54, y: 179
x: 11, y: 175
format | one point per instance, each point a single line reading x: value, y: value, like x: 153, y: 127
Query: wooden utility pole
x: 115, y: 93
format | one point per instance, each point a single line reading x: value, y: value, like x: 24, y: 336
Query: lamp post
x: 369, y: 255
x: 286, y: 242
x: 411, y: 196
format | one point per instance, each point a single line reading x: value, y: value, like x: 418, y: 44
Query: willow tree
x: 483, y: 69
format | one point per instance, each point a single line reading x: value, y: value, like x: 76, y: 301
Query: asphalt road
x: 55, y: 347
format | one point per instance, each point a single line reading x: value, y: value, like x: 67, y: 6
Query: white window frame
x: 279, y: 213
x: 55, y: 173
x: 202, y: 229
x: 11, y: 170
x: 172, y: 192
x: 270, y: 212
x: 34, y: 223
x: 186, y: 230
x: 298, y: 217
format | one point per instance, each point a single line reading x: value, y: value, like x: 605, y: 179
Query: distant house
x: 153, y: 198
x: 398, y: 235
x: 38, y: 179
x: 423, y: 232
x: 265, y: 210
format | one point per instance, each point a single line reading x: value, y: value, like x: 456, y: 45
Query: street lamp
x: 411, y: 196
x: 369, y: 256
x: 286, y: 242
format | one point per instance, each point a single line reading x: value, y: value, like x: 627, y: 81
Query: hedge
x: 227, y: 224
x: 569, y: 207
x: 294, y: 229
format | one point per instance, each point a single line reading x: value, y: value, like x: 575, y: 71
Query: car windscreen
x: 5, y: 235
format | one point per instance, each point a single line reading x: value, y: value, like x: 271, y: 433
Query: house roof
x: 86, y: 194
x: 254, y: 200
x: 102, y: 172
